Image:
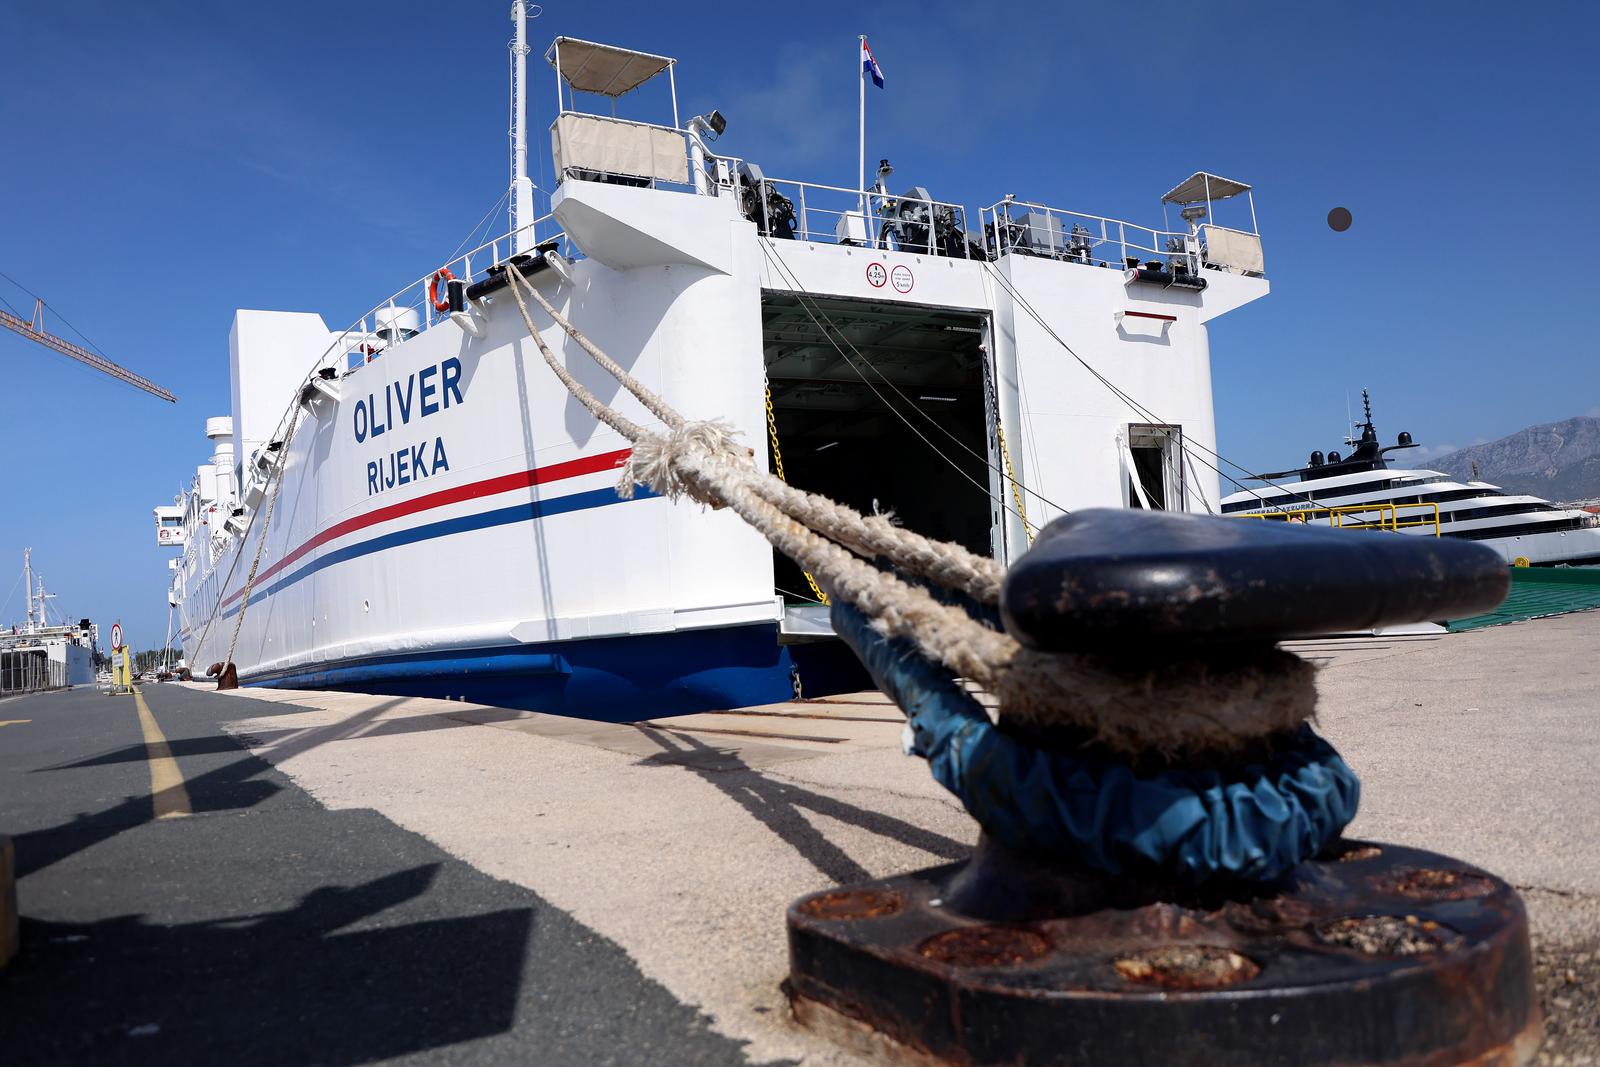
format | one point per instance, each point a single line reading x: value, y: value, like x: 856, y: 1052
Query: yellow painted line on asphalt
x: 14, y: 722
x: 167, y: 793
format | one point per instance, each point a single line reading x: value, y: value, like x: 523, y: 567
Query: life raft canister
x: 441, y: 275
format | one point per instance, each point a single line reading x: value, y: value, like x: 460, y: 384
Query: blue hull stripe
x: 526, y: 512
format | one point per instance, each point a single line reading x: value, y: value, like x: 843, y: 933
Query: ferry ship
x: 1362, y: 490
x: 427, y: 511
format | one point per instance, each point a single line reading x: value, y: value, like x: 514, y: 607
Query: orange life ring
x: 442, y: 274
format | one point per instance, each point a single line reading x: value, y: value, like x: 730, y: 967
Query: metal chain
x: 1011, y: 476
x: 777, y: 468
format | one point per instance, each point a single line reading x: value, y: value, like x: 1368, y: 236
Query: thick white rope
x: 275, y: 476
x: 1202, y: 709
x: 950, y: 565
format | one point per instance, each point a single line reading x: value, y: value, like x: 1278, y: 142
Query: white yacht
x: 1363, y: 490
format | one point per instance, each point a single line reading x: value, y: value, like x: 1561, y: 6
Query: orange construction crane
x: 35, y: 331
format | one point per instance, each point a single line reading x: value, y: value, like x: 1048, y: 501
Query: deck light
x: 713, y: 120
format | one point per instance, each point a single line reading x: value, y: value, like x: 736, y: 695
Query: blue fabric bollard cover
x: 1255, y: 823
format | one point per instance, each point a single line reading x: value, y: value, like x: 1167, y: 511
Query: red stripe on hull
x: 505, y: 483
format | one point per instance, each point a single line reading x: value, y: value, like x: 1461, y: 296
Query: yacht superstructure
x: 1362, y: 489
x: 426, y: 510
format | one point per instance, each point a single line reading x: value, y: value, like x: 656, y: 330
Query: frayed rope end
x: 655, y: 460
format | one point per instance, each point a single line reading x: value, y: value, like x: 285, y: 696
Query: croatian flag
x: 870, y: 65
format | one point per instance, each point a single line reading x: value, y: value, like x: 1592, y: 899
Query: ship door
x: 1153, y: 458
x: 884, y: 407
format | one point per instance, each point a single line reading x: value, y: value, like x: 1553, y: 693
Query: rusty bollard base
x: 1371, y: 954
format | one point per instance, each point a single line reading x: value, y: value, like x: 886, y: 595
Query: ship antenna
x: 1366, y: 408
x: 521, y: 187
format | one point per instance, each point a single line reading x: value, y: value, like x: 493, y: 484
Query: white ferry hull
x: 469, y: 541
x: 448, y: 521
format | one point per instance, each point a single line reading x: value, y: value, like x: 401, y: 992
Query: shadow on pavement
x: 777, y: 805
x: 305, y: 985
x: 234, y: 785
x: 268, y: 928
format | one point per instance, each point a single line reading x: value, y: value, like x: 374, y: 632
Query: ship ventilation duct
x: 397, y: 324
x: 220, y: 432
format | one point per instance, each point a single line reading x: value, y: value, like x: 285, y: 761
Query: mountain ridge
x: 1555, y: 460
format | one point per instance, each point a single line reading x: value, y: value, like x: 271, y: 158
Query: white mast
x: 27, y: 583
x: 521, y: 187
x: 44, y: 620
x: 861, y: 126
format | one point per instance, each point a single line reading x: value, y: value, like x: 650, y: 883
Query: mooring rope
x: 1203, y: 708
x: 275, y: 476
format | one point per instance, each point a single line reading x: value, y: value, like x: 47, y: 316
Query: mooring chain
x: 1011, y: 476
x: 777, y: 468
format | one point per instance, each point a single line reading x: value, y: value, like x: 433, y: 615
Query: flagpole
x: 861, y: 157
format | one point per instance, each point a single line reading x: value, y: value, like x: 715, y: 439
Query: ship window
x: 1154, y: 467
x: 1485, y: 533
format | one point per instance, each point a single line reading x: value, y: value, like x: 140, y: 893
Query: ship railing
x: 1027, y: 228
x: 1392, y: 517
x: 832, y: 214
x: 409, y: 311
x: 29, y: 671
x: 623, y: 152
x: 403, y: 314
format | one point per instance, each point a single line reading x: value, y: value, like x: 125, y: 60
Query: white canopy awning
x: 1195, y: 188
x: 602, y: 68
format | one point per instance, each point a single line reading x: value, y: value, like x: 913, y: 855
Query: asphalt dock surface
x: 292, y: 877
x: 264, y: 927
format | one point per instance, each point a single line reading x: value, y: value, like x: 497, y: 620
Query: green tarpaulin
x: 1540, y: 591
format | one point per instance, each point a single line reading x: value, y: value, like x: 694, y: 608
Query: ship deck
x: 672, y: 846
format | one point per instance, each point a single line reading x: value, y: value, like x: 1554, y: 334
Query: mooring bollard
x: 1161, y: 876
x: 226, y: 674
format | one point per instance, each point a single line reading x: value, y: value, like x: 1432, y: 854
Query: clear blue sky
x: 166, y: 163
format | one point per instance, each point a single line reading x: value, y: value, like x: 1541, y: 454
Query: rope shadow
x: 777, y: 805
